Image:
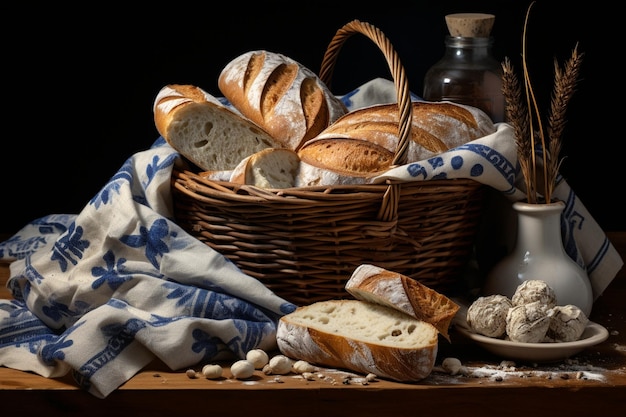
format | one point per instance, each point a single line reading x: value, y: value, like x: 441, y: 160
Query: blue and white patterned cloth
x: 103, y: 293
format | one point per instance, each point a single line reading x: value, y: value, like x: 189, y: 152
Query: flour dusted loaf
x: 205, y: 131
x: 360, y: 336
x: 281, y: 95
x: 392, y: 289
x: 364, y: 141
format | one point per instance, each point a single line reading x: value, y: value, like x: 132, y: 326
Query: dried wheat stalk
x: 525, y: 117
x: 517, y: 113
x: 564, y: 86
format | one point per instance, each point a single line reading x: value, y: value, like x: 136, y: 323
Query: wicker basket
x: 304, y: 243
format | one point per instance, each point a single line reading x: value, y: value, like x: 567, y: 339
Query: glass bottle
x: 468, y: 73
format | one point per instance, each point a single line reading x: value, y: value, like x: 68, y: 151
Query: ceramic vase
x: 539, y: 254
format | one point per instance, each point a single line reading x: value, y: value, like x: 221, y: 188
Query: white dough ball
x: 534, y: 290
x: 487, y: 315
x: 567, y: 324
x: 528, y: 323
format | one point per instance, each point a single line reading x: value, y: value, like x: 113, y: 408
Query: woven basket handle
x: 397, y: 71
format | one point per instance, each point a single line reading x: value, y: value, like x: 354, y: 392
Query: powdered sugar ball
x: 528, y: 323
x: 567, y: 324
x: 487, y: 315
x: 534, y: 290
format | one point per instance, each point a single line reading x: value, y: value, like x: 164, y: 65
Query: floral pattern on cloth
x: 102, y: 293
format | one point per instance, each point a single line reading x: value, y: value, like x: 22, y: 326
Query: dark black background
x: 80, y: 83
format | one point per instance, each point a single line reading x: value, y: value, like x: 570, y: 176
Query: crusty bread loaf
x: 281, y: 95
x: 204, y: 130
x: 268, y: 168
x: 360, y: 336
x: 356, y: 140
x: 378, y: 285
x: 356, y: 158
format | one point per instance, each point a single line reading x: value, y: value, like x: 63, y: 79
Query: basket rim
x: 249, y: 192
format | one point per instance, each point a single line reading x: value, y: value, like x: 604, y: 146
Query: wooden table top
x: 588, y: 384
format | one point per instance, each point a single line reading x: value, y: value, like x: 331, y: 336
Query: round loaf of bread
x: 364, y: 141
x: 281, y: 95
x: 360, y: 336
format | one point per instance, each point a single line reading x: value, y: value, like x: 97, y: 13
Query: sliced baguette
x: 378, y: 285
x: 268, y: 168
x: 205, y: 131
x: 360, y: 336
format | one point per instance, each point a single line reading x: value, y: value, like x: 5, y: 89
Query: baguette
x: 360, y: 336
x: 377, y: 285
x: 281, y: 95
x: 365, y: 140
x: 205, y: 131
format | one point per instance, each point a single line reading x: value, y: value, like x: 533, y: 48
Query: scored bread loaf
x: 354, y: 158
x: 365, y: 140
x: 360, y: 336
x: 281, y: 95
x: 268, y: 168
x: 205, y: 131
x: 378, y: 285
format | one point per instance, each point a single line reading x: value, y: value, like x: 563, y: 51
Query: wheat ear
x: 565, y: 81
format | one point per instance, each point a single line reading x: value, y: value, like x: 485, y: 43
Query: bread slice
x: 360, y: 336
x: 378, y: 285
x: 204, y: 130
x: 268, y: 168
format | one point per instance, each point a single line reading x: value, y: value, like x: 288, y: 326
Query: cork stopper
x: 470, y: 25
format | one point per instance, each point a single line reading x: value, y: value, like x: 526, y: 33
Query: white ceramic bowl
x: 538, y: 352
